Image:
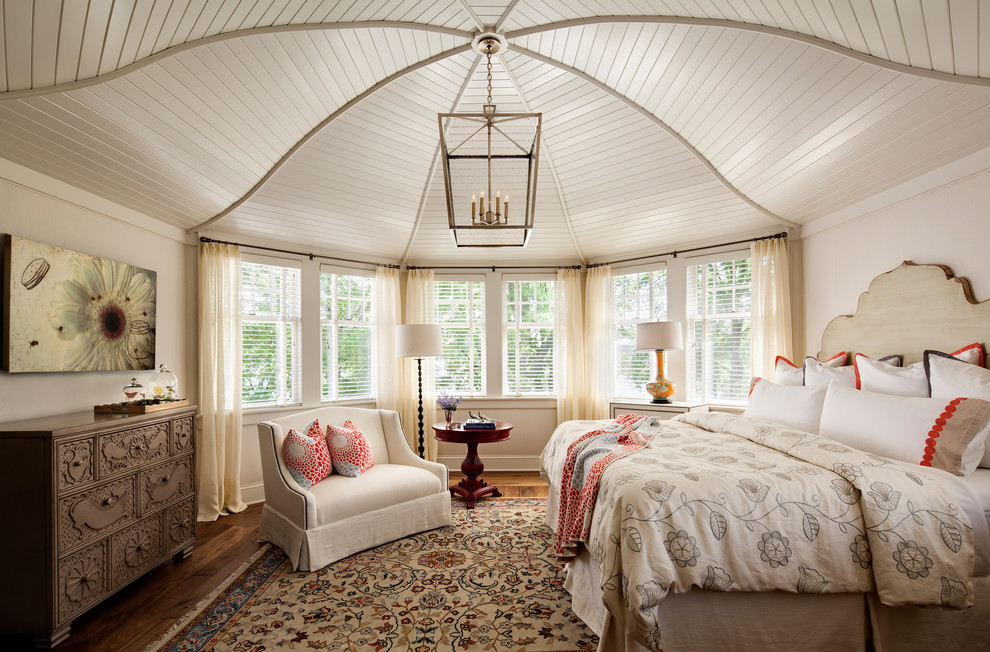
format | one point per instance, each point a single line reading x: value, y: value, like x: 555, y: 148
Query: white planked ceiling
x: 311, y: 124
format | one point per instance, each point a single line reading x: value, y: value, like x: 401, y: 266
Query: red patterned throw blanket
x: 587, y: 458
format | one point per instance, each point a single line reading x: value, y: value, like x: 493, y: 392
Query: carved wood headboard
x: 907, y: 310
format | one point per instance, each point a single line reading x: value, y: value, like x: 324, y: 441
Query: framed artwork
x: 68, y: 311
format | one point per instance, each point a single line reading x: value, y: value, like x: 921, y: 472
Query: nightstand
x: 662, y: 410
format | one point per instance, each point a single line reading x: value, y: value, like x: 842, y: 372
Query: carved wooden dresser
x: 91, y: 503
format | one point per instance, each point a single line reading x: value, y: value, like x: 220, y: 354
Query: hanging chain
x: 489, y: 72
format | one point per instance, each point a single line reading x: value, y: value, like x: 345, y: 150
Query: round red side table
x: 472, y: 487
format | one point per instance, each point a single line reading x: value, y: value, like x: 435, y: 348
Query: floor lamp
x: 418, y: 341
x: 659, y: 336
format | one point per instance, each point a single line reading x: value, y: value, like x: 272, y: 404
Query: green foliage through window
x: 459, y: 308
x: 637, y: 298
x: 719, y: 308
x: 270, y: 323
x: 529, y: 357
x: 347, y: 336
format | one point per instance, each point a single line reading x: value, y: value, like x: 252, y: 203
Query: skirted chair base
x: 400, y: 495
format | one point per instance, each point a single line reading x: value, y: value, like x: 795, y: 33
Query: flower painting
x: 69, y: 311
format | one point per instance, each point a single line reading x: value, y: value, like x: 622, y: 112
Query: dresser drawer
x: 82, y: 580
x: 182, y: 435
x: 88, y: 514
x: 165, y: 483
x: 128, y: 449
x: 180, y: 525
x: 74, y: 460
x: 135, y: 549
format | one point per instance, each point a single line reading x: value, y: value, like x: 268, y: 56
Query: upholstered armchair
x: 338, y: 516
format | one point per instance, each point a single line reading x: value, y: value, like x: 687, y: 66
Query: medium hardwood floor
x: 140, y: 614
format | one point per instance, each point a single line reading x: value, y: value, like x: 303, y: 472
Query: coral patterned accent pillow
x: 349, y: 450
x: 307, y: 456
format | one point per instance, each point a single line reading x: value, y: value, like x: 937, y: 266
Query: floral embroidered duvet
x: 728, y: 503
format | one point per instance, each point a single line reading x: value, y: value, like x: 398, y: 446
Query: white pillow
x: 882, y: 377
x: 949, y: 434
x: 950, y: 377
x: 797, y: 407
x: 786, y: 372
x: 819, y: 373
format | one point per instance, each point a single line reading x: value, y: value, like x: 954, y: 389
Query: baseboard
x: 496, y: 463
x: 253, y: 493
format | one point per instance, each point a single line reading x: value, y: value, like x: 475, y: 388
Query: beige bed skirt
x: 707, y: 620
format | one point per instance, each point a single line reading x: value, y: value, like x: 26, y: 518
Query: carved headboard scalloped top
x: 908, y: 310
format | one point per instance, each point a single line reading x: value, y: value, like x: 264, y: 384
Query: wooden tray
x: 117, y: 408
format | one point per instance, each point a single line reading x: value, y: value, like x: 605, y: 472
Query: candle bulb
x: 473, y: 207
x: 482, y: 211
x: 505, y: 213
x: 498, y: 203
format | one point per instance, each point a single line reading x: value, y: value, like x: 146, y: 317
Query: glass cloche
x: 164, y: 385
x: 132, y: 392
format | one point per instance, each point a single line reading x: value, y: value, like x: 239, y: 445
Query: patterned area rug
x: 488, y: 582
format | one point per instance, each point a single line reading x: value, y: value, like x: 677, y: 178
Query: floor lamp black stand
x: 419, y: 370
x: 418, y: 341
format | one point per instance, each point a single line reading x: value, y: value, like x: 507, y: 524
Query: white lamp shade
x: 417, y: 340
x: 664, y: 335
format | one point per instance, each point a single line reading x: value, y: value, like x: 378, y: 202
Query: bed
x: 665, y: 565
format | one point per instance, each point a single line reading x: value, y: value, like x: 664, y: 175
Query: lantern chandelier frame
x: 489, y: 155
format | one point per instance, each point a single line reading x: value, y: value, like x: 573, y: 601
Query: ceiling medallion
x: 489, y: 157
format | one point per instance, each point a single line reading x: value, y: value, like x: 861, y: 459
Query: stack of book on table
x: 479, y: 424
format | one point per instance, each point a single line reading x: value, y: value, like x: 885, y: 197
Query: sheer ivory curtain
x: 598, y: 340
x: 388, y: 367
x: 218, y: 449
x: 572, y: 389
x: 771, y: 313
x: 419, y: 310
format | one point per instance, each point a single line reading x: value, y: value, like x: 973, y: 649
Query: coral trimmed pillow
x: 793, y: 406
x: 949, y: 434
x: 786, y: 372
x: 817, y: 372
x: 306, y: 456
x: 349, y: 450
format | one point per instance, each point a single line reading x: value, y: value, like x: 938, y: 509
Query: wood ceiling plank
x: 44, y: 39
x: 18, y: 27
x: 964, y: 25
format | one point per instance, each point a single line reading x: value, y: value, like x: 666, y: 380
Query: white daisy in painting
x: 108, y: 315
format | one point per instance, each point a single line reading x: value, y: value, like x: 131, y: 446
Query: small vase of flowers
x: 448, y: 403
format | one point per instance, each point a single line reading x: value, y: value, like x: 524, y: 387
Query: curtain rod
x: 782, y: 234
x: 299, y: 253
x: 494, y: 267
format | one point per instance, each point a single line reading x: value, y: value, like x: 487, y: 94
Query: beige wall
x: 39, y: 208
x: 940, y: 218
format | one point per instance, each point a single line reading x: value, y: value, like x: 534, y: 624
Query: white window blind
x: 529, y: 357
x: 347, y: 336
x: 637, y: 297
x: 270, y: 334
x: 459, y: 308
x: 718, y: 329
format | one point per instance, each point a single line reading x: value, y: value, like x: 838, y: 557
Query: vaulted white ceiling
x: 311, y: 124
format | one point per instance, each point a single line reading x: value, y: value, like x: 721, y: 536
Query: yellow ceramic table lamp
x: 659, y: 336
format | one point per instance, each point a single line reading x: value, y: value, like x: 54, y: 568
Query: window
x: 270, y: 334
x: 529, y: 360
x: 637, y: 298
x: 347, y: 336
x: 459, y: 308
x: 718, y: 310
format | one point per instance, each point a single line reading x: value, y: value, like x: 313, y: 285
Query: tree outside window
x: 459, y: 308
x: 529, y: 353
x: 347, y: 336
x: 637, y: 297
x: 270, y: 334
x: 719, y: 307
